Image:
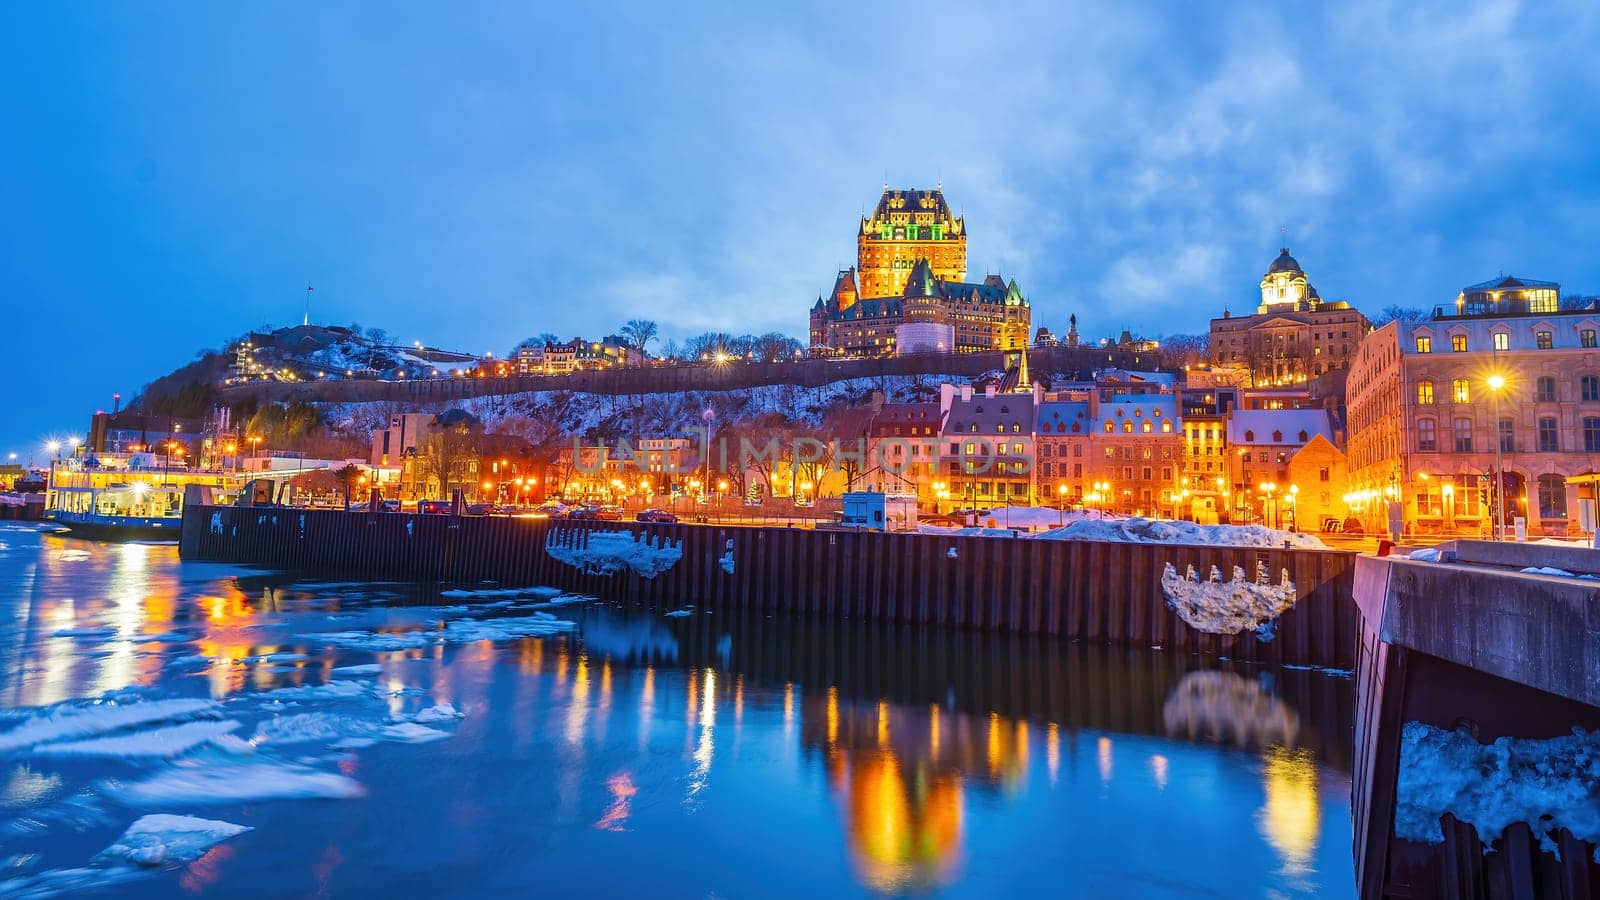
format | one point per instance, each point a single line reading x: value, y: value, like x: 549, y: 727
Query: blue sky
x: 175, y: 174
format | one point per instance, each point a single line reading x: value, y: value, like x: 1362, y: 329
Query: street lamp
x: 1496, y: 383
x: 1061, y: 505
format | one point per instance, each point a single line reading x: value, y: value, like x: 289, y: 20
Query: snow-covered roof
x: 1000, y: 414
x: 1063, y: 417
x: 1157, y: 409
x: 1248, y: 427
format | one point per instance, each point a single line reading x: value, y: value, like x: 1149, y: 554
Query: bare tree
x: 639, y: 333
x: 775, y: 347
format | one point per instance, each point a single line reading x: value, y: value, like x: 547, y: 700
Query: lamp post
x: 1061, y: 504
x: 1496, y: 383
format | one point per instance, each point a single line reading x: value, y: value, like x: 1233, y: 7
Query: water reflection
x: 900, y: 761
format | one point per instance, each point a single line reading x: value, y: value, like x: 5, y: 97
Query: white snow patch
x: 611, y: 552
x: 1161, y: 531
x: 951, y: 553
x: 161, y: 742
x: 163, y: 838
x: 1218, y: 607
x: 1550, y: 784
x: 333, y: 690
x: 377, y: 642
x: 303, y: 728
x: 199, y: 785
x: 679, y: 614
x: 1426, y: 554
x: 71, y: 722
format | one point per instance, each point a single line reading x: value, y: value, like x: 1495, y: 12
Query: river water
x: 385, y: 740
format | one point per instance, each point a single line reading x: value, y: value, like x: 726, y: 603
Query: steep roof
x: 1509, y: 282
x: 1275, y: 427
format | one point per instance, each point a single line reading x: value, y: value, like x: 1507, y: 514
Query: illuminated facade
x: 1423, y: 425
x: 1294, y: 335
x: 907, y: 292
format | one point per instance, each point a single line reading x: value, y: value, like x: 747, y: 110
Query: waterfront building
x: 988, y: 454
x: 907, y: 292
x: 1262, y: 446
x: 1137, y: 454
x: 1501, y: 376
x: 559, y: 358
x: 902, y: 450
x: 1205, y: 484
x: 1294, y: 335
x: 1064, y: 435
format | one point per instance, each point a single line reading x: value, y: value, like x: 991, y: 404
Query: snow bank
x: 1162, y: 531
x: 159, y: 839
x: 1215, y: 606
x: 611, y: 552
x: 199, y: 785
x: 1426, y: 554
x: 441, y: 712
x: 161, y: 742
x: 1559, y: 573
x: 1550, y: 784
x: 73, y: 722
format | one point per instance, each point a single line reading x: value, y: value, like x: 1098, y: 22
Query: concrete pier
x: 1471, y: 642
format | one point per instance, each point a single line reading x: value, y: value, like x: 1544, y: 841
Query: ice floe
x: 161, y: 742
x: 164, y: 838
x: 412, y: 733
x: 333, y: 690
x: 1549, y: 784
x: 612, y: 552
x: 441, y: 712
x: 679, y: 614
x: 364, y: 669
x: 213, y: 784
x: 280, y: 657
x: 94, y: 632
x: 1215, y: 606
x: 75, y: 722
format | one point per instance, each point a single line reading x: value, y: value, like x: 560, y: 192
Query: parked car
x: 656, y: 515
x: 608, y: 514
x: 433, y: 507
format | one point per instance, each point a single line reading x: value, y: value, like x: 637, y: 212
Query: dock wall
x: 1076, y: 590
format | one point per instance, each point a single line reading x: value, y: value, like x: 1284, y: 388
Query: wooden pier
x: 1076, y: 590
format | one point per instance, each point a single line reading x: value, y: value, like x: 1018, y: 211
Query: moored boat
x: 126, y: 496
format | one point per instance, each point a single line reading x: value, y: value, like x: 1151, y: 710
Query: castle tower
x: 908, y: 226
x: 1285, y: 285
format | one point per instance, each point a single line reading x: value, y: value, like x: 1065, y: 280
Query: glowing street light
x: 1497, y: 382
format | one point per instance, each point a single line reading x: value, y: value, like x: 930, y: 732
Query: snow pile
x: 158, y: 839
x: 1038, y: 518
x: 440, y: 712
x: 1163, y: 531
x: 1559, y: 573
x: 161, y: 742
x: 1427, y: 554
x: 198, y: 785
x: 969, y: 531
x: 610, y: 552
x: 1218, y: 607
x: 74, y: 722
x: 1550, y: 784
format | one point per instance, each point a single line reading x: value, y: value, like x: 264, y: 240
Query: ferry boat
x: 126, y: 496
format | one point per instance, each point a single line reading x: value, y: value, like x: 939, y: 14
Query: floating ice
x: 412, y: 733
x: 1549, y: 784
x: 208, y: 784
x: 1218, y: 607
x: 679, y: 614
x: 442, y: 712
x: 377, y: 642
x: 611, y: 552
x: 161, y: 742
x: 162, y: 838
x: 166, y: 637
x: 562, y: 600
x: 198, y: 659
x: 333, y: 690
x: 70, y: 722
x: 951, y: 553
x: 310, y: 728
x: 366, y: 669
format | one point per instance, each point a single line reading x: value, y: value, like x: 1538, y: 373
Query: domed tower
x: 925, y: 323
x: 1285, y: 285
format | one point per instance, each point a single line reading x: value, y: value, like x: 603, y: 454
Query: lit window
x: 1543, y: 340
x: 1502, y: 340
x: 1586, y: 338
x: 1424, y: 344
x: 1424, y: 392
x: 1458, y: 343
x: 1461, y: 390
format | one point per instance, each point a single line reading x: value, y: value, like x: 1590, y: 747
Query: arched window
x: 1127, y: 426
x: 1148, y: 427
x: 1109, y: 427
x: 1166, y: 427
x: 1277, y: 437
x: 1303, y: 436
x: 1249, y: 436
x: 1074, y: 427
x: 1552, y: 497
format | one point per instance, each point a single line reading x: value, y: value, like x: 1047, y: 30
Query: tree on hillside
x: 639, y: 333
x: 538, y: 340
x: 1184, y: 350
x: 706, y: 345
x: 775, y: 347
x: 1397, y: 313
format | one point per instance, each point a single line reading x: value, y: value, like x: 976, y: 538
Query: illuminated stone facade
x: 1294, y: 336
x: 907, y: 292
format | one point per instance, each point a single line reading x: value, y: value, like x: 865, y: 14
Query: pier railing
x: 1076, y: 590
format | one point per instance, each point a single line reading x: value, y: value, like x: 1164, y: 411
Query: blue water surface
x: 599, y: 748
